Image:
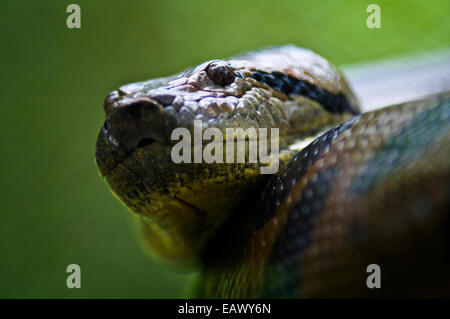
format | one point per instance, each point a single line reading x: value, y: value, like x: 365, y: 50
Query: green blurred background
x: 55, y: 208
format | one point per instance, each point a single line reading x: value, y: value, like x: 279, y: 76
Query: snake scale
x: 352, y: 189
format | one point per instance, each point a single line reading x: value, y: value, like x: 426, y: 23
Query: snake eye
x: 220, y: 73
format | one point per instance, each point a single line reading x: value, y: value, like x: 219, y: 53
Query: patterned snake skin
x: 352, y: 190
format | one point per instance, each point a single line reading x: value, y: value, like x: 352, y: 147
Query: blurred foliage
x: 56, y: 210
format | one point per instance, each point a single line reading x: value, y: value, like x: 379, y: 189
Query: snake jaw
x: 177, y: 207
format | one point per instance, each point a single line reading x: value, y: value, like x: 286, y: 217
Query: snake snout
x: 134, y: 122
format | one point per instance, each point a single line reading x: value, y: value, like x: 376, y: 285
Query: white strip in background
x: 398, y: 80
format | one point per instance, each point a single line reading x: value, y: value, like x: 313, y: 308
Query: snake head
x: 180, y: 206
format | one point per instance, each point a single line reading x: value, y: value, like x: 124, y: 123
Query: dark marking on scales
x: 334, y: 103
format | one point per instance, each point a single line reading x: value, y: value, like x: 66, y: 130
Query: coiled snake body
x: 352, y: 190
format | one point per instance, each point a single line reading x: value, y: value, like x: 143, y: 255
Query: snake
x: 349, y: 189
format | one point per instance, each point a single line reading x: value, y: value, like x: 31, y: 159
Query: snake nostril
x: 134, y: 110
x: 135, y: 122
x: 220, y: 73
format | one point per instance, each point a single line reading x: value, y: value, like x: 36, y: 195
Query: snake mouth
x: 144, y: 142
